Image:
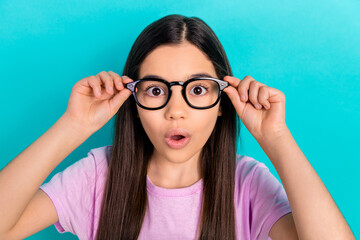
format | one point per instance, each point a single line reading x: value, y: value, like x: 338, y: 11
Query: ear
x: 220, y: 112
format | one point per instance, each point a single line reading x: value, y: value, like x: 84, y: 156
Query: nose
x: 176, y: 108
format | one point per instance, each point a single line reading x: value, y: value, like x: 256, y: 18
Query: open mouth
x: 177, y: 137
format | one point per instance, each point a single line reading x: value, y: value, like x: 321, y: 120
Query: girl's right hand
x: 95, y: 100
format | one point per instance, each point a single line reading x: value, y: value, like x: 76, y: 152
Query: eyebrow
x: 203, y: 74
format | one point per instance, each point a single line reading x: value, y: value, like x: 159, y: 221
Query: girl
x: 172, y: 171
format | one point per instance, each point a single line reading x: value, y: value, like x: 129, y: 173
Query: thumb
x: 234, y: 96
x: 117, y: 101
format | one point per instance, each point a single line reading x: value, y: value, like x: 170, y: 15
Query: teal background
x: 307, y: 49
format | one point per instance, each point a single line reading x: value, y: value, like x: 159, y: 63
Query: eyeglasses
x: 199, y: 92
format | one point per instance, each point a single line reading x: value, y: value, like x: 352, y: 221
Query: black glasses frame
x: 132, y: 86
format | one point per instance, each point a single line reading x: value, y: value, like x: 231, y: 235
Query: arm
x: 93, y: 102
x: 314, y: 212
x: 22, y: 177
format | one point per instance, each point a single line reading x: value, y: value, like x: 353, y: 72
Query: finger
x: 232, y: 80
x: 95, y: 83
x: 254, y: 92
x: 108, y: 81
x: 242, y: 86
x: 276, y: 96
x: 118, y: 100
x: 263, y: 97
x: 126, y: 79
x: 117, y: 80
x: 235, y: 99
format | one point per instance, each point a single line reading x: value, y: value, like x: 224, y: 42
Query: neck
x: 174, y: 173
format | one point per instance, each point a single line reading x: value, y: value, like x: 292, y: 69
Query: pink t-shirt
x: 76, y: 192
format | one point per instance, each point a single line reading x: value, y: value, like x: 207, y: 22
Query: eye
x: 154, y: 91
x: 198, y: 90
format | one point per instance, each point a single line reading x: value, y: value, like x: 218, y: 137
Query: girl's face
x: 177, y: 63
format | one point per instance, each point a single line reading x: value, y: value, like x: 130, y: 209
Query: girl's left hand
x: 264, y: 114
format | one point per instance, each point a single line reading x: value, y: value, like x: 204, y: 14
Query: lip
x: 177, y: 144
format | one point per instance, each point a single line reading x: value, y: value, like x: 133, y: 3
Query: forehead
x: 176, y: 62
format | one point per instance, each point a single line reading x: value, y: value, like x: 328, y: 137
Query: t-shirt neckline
x: 174, y: 192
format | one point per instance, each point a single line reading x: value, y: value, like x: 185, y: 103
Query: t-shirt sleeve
x: 268, y: 201
x: 72, y: 193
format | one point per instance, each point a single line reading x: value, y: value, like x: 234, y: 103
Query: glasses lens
x: 151, y: 94
x: 202, y: 93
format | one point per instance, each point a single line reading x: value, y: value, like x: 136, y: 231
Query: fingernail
x: 258, y: 106
x: 243, y: 98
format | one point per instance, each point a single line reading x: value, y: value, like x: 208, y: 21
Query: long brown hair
x: 125, y: 197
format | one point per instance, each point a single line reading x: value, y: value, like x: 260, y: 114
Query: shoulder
x: 246, y: 167
x: 255, y: 182
x: 260, y: 199
x: 74, y: 190
x: 253, y: 178
x: 101, y: 155
x: 86, y: 170
x: 98, y: 159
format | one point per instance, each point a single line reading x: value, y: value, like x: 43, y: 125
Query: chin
x: 177, y: 155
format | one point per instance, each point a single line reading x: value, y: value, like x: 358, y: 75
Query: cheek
x: 201, y: 123
x: 212, y: 115
x: 206, y: 123
x: 149, y: 124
